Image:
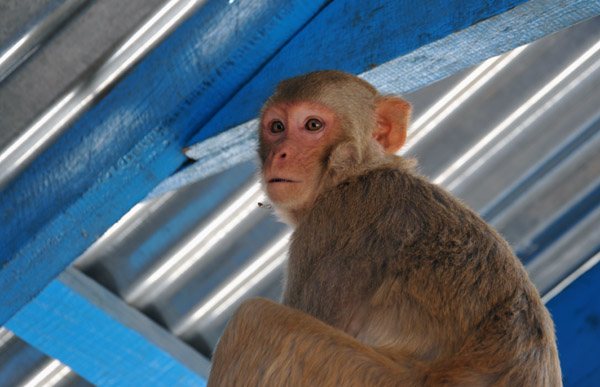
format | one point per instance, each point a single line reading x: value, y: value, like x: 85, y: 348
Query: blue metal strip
x: 576, y: 314
x: 107, y: 350
x: 123, y: 147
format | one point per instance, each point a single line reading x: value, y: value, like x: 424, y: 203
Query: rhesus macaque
x: 390, y: 281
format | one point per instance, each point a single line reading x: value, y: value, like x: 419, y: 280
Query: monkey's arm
x: 269, y: 344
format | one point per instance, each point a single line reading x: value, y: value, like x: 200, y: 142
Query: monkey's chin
x: 288, y: 197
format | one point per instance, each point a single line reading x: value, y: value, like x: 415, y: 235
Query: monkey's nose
x: 279, y: 154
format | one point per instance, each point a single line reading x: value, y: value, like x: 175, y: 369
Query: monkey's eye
x: 313, y: 125
x: 277, y: 127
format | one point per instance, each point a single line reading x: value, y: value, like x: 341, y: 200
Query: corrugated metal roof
x: 515, y: 137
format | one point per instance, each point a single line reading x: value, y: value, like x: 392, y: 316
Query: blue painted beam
x: 102, y: 339
x: 424, y: 40
x: 124, y: 146
x: 576, y: 313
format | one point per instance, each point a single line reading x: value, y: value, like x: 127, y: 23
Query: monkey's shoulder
x: 397, y: 207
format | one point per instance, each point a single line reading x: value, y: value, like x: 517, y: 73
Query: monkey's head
x: 320, y: 128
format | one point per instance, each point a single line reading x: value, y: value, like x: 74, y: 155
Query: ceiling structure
x: 516, y: 136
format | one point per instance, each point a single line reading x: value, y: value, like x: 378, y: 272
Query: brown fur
x: 410, y: 286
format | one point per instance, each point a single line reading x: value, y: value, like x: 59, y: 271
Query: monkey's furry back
x: 439, y: 289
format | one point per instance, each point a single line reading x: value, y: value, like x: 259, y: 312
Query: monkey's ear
x: 392, y: 123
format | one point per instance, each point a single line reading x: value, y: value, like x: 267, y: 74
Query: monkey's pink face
x: 299, y: 136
